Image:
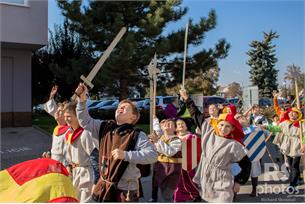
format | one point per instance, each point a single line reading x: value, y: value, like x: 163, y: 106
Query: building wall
x: 27, y: 24
x: 16, y: 94
x: 24, y: 28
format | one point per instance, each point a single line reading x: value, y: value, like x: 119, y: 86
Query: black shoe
x: 197, y: 200
x: 253, y: 194
x: 235, y: 197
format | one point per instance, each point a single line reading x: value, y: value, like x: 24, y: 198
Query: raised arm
x: 197, y: 116
x: 275, y: 103
x: 84, y: 119
x: 156, y: 126
x: 246, y: 113
x: 50, y: 106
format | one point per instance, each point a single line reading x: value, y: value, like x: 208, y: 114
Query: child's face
x: 243, y: 120
x: 181, y: 126
x: 256, y: 110
x: 213, y: 110
x: 124, y: 114
x: 224, y: 128
x: 293, y: 115
x: 162, y: 123
x: 169, y: 126
x: 59, y: 115
x: 71, y: 118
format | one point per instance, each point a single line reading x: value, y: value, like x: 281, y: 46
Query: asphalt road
x: 21, y: 144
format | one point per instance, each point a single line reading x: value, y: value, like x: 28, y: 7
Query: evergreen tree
x: 42, y: 77
x: 61, y: 62
x: 70, y: 59
x: 126, y: 70
x: 262, y: 62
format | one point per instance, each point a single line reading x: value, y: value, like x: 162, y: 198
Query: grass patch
x: 44, y: 121
x: 47, y: 123
x: 144, y: 127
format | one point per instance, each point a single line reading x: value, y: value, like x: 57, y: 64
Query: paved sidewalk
x: 21, y: 144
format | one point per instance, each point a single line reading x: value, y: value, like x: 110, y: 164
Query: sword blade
x: 106, y: 54
x: 185, y: 53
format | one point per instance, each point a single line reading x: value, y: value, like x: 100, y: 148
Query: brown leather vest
x: 112, y: 137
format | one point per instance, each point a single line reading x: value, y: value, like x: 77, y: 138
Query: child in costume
x: 158, y: 132
x: 168, y: 167
x: 121, y: 148
x: 58, y: 138
x: 291, y: 144
x: 220, y: 150
x: 187, y: 190
x: 256, y: 118
x: 255, y: 165
x: 81, y: 155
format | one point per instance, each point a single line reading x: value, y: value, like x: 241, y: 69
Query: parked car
x: 161, y: 102
x: 105, y: 112
x: 235, y: 101
x: 92, y: 103
x: 89, y: 102
x: 136, y: 99
x: 265, y: 102
x: 111, y: 106
x: 101, y: 104
x: 38, y: 108
x: 140, y: 104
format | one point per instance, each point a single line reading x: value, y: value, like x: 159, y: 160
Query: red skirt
x: 187, y: 189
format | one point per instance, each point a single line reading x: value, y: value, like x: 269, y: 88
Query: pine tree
x: 42, y: 77
x: 262, y: 62
x: 98, y: 22
x: 70, y: 58
x: 61, y: 62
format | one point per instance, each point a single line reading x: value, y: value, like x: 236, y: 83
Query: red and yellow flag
x: 39, y: 180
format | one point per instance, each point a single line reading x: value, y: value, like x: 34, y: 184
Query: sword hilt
x: 87, y: 82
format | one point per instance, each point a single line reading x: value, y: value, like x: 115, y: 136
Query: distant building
x: 24, y: 28
x: 222, y: 91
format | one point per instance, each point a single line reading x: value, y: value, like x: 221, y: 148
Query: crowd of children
x: 103, y: 156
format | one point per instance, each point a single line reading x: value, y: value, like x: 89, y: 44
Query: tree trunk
x: 123, y: 89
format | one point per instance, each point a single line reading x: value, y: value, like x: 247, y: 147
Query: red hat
x: 286, y: 116
x: 238, y: 133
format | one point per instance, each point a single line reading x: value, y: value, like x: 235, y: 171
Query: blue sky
x: 241, y: 22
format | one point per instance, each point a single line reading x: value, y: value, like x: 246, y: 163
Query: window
x: 15, y: 2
